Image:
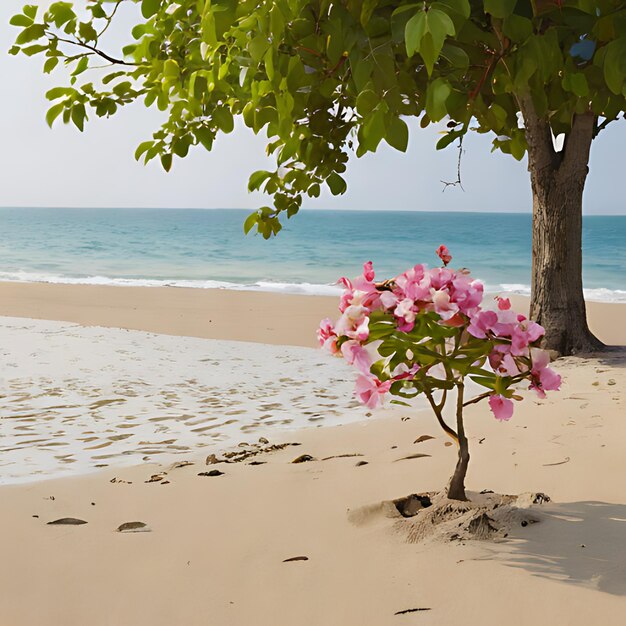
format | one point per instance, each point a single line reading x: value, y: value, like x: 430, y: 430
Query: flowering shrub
x: 425, y: 332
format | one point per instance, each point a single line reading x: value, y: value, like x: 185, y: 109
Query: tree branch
x: 451, y: 433
x: 602, y: 126
x: 86, y: 46
x: 109, y: 19
x: 577, y: 142
x: 457, y: 182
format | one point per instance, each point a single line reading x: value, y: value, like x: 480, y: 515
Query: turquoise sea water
x: 207, y: 248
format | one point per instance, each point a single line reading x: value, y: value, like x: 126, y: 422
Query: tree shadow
x: 583, y: 543
x: 612, y: 356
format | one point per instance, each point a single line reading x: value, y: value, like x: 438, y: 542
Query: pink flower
x: 368, y: 271
x: 355, y: 354
x: 405, y: 314
x: 525, y: 333
x: 507, y: 321
x: 501, y: 361
x: 442, y: 304
x: 370, y: 391
x: 543, y: 378
x: 347, y: 295
x: 354, y: 323
x: 326, y: 336
x: 441, y: 278
x: 504, y: 304
x: 444, y: 254
x: 403, y: 371
x: 413, y: 284
x: 468, y: 294
x: 501, y: 407
x: 482, y: 323
x: 389, y: 300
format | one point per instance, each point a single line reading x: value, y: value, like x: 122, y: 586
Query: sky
x: 65, y: 168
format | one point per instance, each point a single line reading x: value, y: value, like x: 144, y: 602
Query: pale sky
x: 64, y: 168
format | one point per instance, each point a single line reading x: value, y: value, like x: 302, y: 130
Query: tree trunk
x: 456, y: 487
x: 558, y: 180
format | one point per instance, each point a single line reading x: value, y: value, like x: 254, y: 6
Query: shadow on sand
x: 583, y: 543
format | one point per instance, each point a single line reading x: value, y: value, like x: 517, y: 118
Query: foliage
x: 323, y: 78
x: 426, y: 333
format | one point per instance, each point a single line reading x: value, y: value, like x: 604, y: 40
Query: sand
x: 213, y: 313
x: 216, y: 546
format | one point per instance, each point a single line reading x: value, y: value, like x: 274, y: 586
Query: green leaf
x: 517, y: 28
x: 414, y: 32
x: 31, y: 33
x: 54, y: 112
x: 436, y: 95
x: 34, y: 49
x: 250, y: 222
x: 518, y: 145
x: 150, y: 7
x: 224, y: 119
x: 30, y: 10
x: 257, y: 179
x: 143, y: 148
x: 336, y: 184
x: 166, y: 161
x: 367, y: 9
x: 398, y: 134
x: 50, y: 64
x: 59, y: 92
x: 448, y: 138
x: 78, y: 116
x: 485, y: 381
x: 87, y: 32
x: 205, y: 136
x: 366, y: 102
x: 20, y: 20
x: 457, y: 57
x: 500, y: 8
x: 81, y: 66
x: 462, y: 7
x: 171, y: 69
x: 439, y: 26
x: 615, y: 65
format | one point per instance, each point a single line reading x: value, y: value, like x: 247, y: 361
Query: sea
x: 208, y: 249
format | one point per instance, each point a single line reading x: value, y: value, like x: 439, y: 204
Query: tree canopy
x: 322, y: 79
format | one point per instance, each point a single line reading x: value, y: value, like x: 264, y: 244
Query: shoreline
x: 253, y: 316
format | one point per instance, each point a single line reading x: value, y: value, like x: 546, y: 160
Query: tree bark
x: 456, y: 487
x: 558, y: 181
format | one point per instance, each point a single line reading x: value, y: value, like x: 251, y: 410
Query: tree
x: 425, y: 332
x: 323, y: 78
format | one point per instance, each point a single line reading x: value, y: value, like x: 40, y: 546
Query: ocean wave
x: 599, y: 294
x: 303, y: 288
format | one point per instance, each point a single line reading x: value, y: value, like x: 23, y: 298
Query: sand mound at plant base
x: 433, y: 517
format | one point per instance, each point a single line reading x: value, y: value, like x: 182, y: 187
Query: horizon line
x: 304, y: 209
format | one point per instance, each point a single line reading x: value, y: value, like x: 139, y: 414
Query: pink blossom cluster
x: 456, y: 300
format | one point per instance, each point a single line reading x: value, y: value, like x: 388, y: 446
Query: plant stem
x: 456, y: 488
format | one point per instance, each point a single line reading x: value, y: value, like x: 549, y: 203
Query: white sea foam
x: 76, y: 398
x: 600, y: 294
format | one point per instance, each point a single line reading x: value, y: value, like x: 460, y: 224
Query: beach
x: 235, y: 532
